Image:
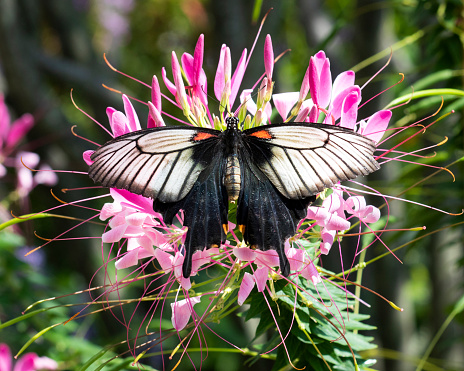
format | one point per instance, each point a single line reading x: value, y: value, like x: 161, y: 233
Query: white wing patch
x: 307, y: 159
x: 154, y: 163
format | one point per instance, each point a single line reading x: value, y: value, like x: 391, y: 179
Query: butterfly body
x: 272, y: 172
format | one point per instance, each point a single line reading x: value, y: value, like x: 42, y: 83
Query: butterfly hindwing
x: 303, y: 159
x: 264, y: 215
x: 205, y: 210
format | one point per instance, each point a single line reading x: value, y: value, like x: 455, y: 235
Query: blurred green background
x: 48, y: 47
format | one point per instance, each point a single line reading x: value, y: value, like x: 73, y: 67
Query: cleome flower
x: 145, y: 236
x: 11, y: 134
x: 28, y: 362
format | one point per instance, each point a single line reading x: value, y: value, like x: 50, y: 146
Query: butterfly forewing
x: 303, y: 159
x: 161, y: 163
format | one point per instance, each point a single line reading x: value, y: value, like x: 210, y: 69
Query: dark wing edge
x: 205, y: 212
x: 265, y: 217
x: 303, y: 159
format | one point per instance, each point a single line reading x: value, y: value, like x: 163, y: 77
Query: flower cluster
x: 28, y: 362
x: 11, y: 134
x: 148, y: 238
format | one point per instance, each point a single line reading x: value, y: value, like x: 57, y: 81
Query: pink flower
x: 268, y: 57
x: 28, y: 362
x: 320, y: 79
x: 182, y: 311
x: 310, y: 273
x: 376, y: 125
x: 247, y: 285
x: 10, y: 135
x: 357, y: 206
x: 142, y: 235
x: 12, y: 132
x: 224, y: 91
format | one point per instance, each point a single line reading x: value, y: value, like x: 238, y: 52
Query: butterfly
x: 272, y: 173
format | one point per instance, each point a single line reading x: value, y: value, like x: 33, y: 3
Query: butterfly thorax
x: 232, y: 176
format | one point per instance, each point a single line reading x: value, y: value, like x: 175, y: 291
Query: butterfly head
x: 232, y: 122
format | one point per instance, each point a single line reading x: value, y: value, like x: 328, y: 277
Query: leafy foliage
x: 320, y: 324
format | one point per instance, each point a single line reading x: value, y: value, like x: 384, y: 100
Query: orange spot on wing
x: 241, y: 228
x: 262, y: 134
x: 203, y: 136
x: 226, y: 228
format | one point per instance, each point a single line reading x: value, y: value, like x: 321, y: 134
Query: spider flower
x: 333, y: 103
x: 11, y: 135
x: 144, y: 236
x: 27, y: 362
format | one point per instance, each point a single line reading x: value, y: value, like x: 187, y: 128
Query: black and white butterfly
x: 273, y: 172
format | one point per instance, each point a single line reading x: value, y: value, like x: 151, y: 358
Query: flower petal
x: 119, y: 124
x: 325, y: 84
x: 2, y: 173
x: 261, y: 276
x: 337, y: 223
x: 304, y: 90
x: 199, y: 258
x: 319, y: 214
x: 45, y: 176
x: 171, y: 87
x: 246, y: 286
x: 156, y: 116
x: 268, y: 57
x: 131, y: 115
x: 156, y: 93
x: 86, y: 156
x: 244, y: 253
x: 310, y: 273
x: 45, y: 363
x: 295, y: 257
x: 376, y: 125
x: 198, y: 58
x: 164, y: 259
x: 182, y: 310
x: 327, y: 240
x: 337, y: 102
x: 4, y: 120
x: 284, y: 102
x: 6, y: 360
x: 220, y: 78
x: 343, y: 81
x: 115, y: 234
x: 26, y: 363
x: 129, y: 259
x: 349, y: 112
x: 238, y: 77
x: 19, y: 129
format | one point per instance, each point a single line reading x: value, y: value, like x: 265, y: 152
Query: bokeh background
x: 48, y: 47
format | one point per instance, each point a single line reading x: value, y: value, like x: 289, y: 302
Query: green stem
x: 28, y: 217
x: 425, y: 93
x: 400, y: 44
x: 357, y: 291
x: 459, y: 307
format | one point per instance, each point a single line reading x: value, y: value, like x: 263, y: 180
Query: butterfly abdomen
x: 232, y: 177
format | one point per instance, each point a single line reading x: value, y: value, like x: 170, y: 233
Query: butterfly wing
x: 303, y: 159
x: 205, y: 211
x: 265, y: 217
x: 160, y: 163
x: 283, y: 167
x: 180, y: 168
